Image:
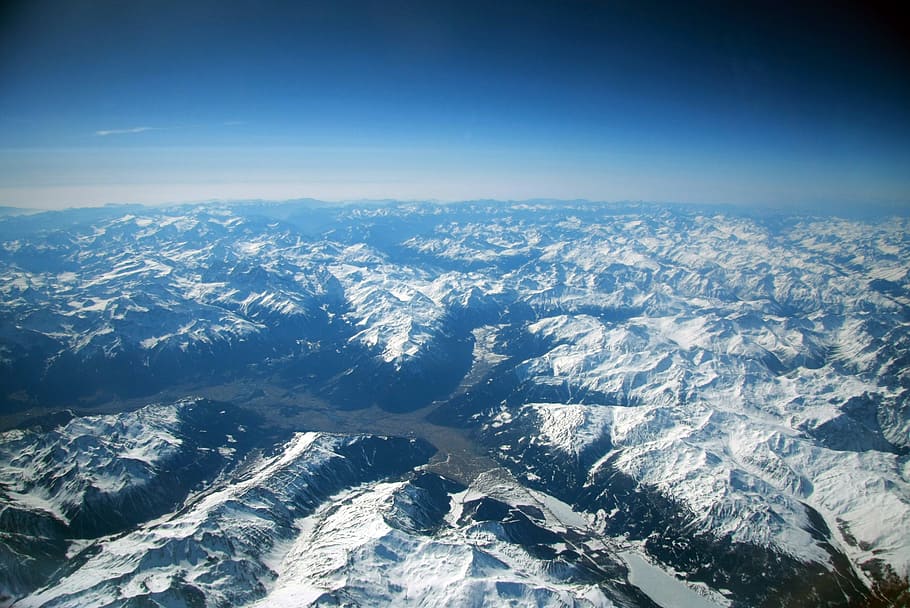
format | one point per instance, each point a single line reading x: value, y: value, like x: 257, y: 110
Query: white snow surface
x: 52, y: 471
x: 216, y: 543
x: 364, y: 546
x: 241, y: 543
x: 743, y: 367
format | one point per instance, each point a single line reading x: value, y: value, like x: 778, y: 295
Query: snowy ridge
x: 740, y: 476
x: 392, y: 307
x: 171, y: 280
x: 71, y: 480
x: 106, y: 454
x: 571, y: 428
x: 742, y: 378
x: 369, y: 547
x: 702, y: 463
x: 214, y: 549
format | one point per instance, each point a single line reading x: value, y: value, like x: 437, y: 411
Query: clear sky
x: 717, y: 102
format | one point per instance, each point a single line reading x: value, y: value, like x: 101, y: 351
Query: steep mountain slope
x: 427, y: 542
x: 212, y: 551
x: 97, y: 475
x: 728, y: 393
x: 307, y: 522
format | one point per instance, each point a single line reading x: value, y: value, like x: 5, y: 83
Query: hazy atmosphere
x: 704, y: 102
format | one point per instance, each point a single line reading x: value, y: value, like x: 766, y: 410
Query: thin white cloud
x: 132, y: 130
x: 106, y: 132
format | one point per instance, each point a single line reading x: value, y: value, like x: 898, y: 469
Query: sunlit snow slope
x: 726, y: 394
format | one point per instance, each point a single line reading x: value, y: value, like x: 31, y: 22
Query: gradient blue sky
x: 709, y: 102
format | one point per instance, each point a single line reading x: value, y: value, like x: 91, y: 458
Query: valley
x: 571, y: 390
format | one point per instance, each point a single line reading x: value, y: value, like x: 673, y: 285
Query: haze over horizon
x: 757, y: 104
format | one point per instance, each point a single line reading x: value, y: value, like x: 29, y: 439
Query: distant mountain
x: 15, y: 211
x: 717, y: 399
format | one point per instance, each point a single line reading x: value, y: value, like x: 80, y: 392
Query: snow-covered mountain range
x: 697, y: 399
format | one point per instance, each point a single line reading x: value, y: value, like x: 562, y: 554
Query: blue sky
x: 757, y: 104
